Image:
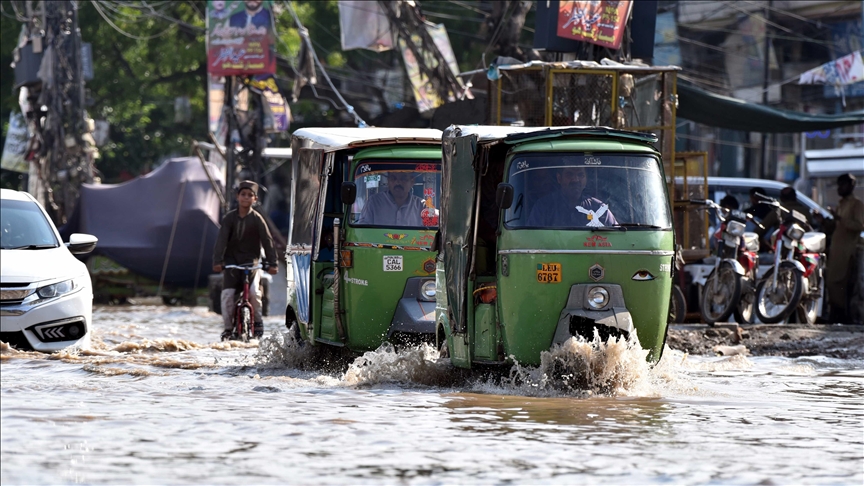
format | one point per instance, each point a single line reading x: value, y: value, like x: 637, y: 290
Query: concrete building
x: 722, y: 48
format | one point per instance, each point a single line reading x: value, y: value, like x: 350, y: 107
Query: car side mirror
x: 349, y: 192
x: 81, y: 243
x: 504, y: 195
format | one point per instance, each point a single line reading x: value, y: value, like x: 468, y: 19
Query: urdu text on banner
x: 240, y: 38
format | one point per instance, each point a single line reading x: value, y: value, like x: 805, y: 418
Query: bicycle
x: 243, y: 325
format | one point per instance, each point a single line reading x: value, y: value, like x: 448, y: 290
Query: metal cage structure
x: 690, y: 172
x: 630, y: 97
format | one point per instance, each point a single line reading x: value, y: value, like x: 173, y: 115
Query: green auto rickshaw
x: 549, y: 233
x: 361, y: 270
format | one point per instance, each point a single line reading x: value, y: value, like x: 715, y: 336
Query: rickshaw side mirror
x: 349, y: 192
x: 504, y: 195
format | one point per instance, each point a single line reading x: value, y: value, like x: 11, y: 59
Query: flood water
x: 157, y: 400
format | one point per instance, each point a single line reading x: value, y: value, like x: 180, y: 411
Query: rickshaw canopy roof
x: 493, y: 134
x: 332, y: 139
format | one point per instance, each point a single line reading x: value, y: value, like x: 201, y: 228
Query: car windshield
x: 23, y: 225
x: 583, y: 190
x: 391, y: 194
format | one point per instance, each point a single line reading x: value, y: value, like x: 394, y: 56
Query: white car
x: 46, y: 298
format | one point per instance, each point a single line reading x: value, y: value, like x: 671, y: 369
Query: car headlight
x: 427, y: 290
x: 598, y: 297
x: 58, y: 289
x: 735, y: 228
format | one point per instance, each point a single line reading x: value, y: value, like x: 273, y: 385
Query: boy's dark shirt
x: 240, y: 240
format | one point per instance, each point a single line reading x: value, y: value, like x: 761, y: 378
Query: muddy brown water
x: 156, y: 400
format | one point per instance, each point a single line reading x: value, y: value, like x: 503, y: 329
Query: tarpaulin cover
x: 458, y: 189
x: 134, y: 220
x: 714, y: 110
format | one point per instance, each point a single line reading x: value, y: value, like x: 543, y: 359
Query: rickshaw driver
x: 396, y: 207
x: 568, y: 207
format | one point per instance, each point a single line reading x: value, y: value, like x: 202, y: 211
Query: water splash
x: 284, y: 348
x: 412, y: 365
x: 584, y: 368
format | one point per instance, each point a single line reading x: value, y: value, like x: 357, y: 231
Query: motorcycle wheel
x: 744, y: 309
x: 720, y: 295
x: 775, y: 304
x: 677, y: 306
x: 808, y: 310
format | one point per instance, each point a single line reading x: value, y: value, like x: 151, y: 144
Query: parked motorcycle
x: 795, y: 281
x: 730, y: 286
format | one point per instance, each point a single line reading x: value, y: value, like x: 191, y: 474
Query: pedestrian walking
x: 845, y: 230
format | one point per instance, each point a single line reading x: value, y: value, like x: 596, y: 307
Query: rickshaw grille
x: 582, y: 326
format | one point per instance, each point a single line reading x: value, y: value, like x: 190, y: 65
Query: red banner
x: 599, y: 22
x: 240, y: 38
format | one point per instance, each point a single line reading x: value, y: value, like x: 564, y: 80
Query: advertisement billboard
x: 599, y: 22
x: 240, y: 39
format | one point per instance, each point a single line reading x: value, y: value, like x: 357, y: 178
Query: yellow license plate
x: 549, y: 272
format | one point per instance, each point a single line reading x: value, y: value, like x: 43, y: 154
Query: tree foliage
x: 149, y: 53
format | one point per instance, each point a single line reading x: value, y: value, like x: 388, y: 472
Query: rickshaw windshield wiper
x: 606, y: 228
x: 640, y: 225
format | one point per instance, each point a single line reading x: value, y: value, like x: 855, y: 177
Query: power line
x: 772, y: 24
x: 304, y: 36
x: 131, y: 36
x: 469, y: 7
x: 15, y: 17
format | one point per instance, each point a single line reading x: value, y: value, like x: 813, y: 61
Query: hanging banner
x: 666, y: 49
x: 846, y: 70
x: 15, y: 147
x: 599, y: 22
x: 425, y: 95
x: 363, y: 25
x: 277, y: 114
x: 240, y: 38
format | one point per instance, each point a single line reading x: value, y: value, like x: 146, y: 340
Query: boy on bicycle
x: 241, y: 237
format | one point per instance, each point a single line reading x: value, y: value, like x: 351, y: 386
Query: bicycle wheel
x: 721, y: 294
x: 774, y: 303
x: 244, y: 322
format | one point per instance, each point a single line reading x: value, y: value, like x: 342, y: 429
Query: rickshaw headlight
x: 735, y: 228
x: 427, y: 290
x: 795, y: 232
x: 598, y: 297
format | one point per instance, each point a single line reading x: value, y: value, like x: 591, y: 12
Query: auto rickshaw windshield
x: 581, y: 190
x: 404, y: 194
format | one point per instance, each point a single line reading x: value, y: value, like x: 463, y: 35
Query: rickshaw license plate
x: 393, y: 263
x: 549, y: 272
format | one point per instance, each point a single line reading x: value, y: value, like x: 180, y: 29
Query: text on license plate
x: 549, y: 272
x: 393, y: 263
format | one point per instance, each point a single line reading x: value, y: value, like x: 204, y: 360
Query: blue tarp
x: 134, y: 220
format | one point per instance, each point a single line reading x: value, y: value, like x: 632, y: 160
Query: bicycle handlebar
x: 244, y: 267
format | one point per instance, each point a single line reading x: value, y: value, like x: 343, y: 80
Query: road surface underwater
x: 158, y: 400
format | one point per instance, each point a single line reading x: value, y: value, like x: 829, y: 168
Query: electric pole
x: 62, y: 148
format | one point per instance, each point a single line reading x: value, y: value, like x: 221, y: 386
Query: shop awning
x: 714, y: 110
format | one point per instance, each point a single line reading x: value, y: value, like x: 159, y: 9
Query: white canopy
x: 331, y: 139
